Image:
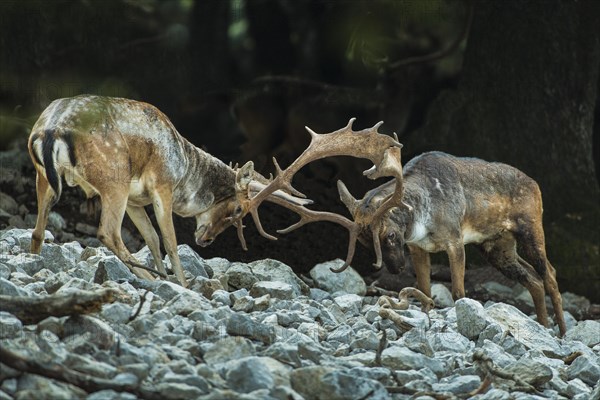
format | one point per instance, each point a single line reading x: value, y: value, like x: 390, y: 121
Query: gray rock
x: 77, y: 284
x: 348, y: 281
x: 286, y: 353
x: 56, y: 281
x: 218, y: 266
x: 206, y: 287
x: 60, y: 257
x: 229, y: 348
x: 190, y: 261
x: 32, y: 386
x: 4, y: 271
x: 117, y: 313
x: 51, y: 324
x: 497, y: 353
x: 493, y: 394
x: 275, y: 289
x: 327, y: 383
x: 449, y: 341
x: 423, y: 374
x: 401, y: 358
x: 285, y: 393
x: 10, y: 326
x: 7, y: 288
x: 349, y: 303
x: 262, y: 303
x: 575, y: 304
x: 577, y: 387
x: 365, y: 339
x: 441, y: 295
x: 587, y: 332
x: 417, y: 340
x: 497, y: 290
x: 188, y: 379
x: 8, y: 204
x: 187, y: 302
x: 586, y: 369
x: 531, y: 370
x: 30, y: 263
x: 22, y: 237
x: 178, y: 391
x: 112, y: 269
x: 252, y: 373
x: 168, y: 290
x: 470, y: 318
x: 342, y: 334
x: 101, y: 334
x: 240, y: 275
x: 273, y: 270
x: 221, y: 296
x: 243, y: 304
x: 319, y: 294
x: 524, y: 329
x: 458, y: 384
x: 111, y: 395
x: 242, y: 325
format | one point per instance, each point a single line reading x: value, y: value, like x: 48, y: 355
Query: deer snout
x: 202, y: 236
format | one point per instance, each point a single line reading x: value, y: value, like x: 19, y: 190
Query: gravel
x: 257, y: 331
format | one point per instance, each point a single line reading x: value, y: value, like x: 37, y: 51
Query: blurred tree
x: 527, y: 97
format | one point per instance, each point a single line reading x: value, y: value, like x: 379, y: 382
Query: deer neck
x: 206, y: 181
x: 416, y: 218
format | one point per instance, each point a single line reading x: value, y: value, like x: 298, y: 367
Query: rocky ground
x: 258, y: 331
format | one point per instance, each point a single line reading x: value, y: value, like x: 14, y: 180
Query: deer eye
x: 237, y: 211
x: 391, y: 236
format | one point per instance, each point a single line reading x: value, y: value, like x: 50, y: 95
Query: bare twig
x: 488, y: 367
x: 137, y: 312
x: 381, y: 347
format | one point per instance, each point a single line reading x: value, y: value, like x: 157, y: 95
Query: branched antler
x: 382, y: 150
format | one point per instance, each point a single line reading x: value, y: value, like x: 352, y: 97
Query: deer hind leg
x: 532, y: 246
x: 45, y: 196
x: 502, y: 254
x: 142, y: 222
x: 163, y: 208
x: 113, y: 205
x: 422, y: 263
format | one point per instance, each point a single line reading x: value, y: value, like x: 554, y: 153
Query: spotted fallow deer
x: 437, y: 203
x: 130, y: 155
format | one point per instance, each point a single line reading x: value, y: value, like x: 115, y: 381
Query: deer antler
x: 382, y: 150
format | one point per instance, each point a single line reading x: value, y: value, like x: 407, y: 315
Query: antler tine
x: 240, y: 232
x: 307, y: 216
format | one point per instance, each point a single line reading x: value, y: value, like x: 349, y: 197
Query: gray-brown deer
x: 447, y: 202
x: 437, y: 203
x: 130, y: 155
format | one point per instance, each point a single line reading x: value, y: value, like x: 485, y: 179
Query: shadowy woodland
x: 510, y: 81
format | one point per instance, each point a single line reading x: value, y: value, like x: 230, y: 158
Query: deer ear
x: 350, y: 202
x: 243, y: 176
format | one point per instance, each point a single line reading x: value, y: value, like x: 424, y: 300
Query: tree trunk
x: 526, y: 97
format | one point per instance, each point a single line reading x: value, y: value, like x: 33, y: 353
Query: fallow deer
x: 130, y: 155
x: 447, y: 202
x: 437, y: 203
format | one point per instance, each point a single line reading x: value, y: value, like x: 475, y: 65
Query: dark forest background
x: 511, y: 81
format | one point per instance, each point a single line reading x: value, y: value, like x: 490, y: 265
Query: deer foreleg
x: 456, y: 258
x: 422, y: 264
x: 163, y: 209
